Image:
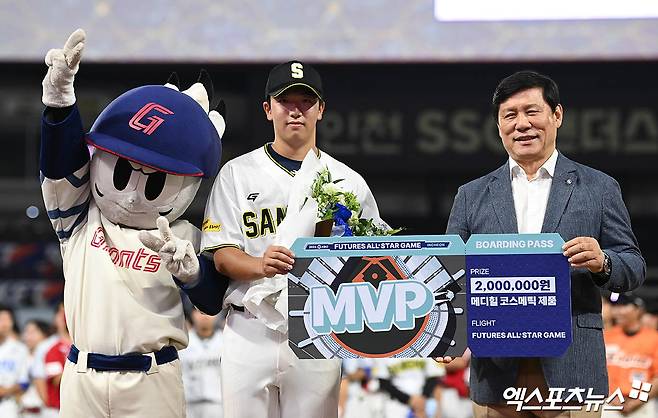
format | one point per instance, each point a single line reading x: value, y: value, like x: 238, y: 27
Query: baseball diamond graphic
x: 441, y: 332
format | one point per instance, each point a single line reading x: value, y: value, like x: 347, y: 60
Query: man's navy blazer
x: 582, y: 202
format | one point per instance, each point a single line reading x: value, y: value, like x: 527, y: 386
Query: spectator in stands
x: 453, y: 391
x: 409, y: 382
x: 650, y: 320
x: 35, y: 334
x: 356, y: 400
x: 13, y: 364
x: 632, y: 356
x: 200, y: 367
x: 55, y: 360
x: 606, y: 312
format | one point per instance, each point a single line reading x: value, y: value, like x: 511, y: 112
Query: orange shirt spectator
x: 632, y: 355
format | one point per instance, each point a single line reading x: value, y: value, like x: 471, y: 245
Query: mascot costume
x: 149, y: 150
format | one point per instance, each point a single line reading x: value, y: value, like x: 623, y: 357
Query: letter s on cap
x: 296, y: 70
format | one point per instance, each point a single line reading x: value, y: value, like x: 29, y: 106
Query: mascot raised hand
x: 149, y: 149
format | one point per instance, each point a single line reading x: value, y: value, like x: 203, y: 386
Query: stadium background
x: 408, y: 97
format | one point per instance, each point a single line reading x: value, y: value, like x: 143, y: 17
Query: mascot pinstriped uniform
x: 150, y: 148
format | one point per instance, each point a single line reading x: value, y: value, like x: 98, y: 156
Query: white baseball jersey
x: 201, y: 372
x: 37, y: 369
x: 352, y: 365
x: 360, y: 402
x: 247, y: 203
x: 118, y: 297
x: 13, y: 371
x: 249, y: 200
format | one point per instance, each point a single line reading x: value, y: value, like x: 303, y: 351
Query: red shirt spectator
x: 55, y: 360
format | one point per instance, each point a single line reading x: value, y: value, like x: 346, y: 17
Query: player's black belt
x: 237, y: 308
x: 124, y: 363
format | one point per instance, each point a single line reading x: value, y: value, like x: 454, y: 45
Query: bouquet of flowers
x: 313, y: 194
x: 343, y: 208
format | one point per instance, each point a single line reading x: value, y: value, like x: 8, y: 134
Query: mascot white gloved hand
x: 62, y: 65
x: 151, y: 147
x: 178, y: 255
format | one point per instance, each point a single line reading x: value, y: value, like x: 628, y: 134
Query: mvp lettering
x: 395, y: 302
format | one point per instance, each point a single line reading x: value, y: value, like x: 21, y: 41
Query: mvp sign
x: 377, y: 297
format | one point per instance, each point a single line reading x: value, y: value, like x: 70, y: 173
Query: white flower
x: 331, y: 189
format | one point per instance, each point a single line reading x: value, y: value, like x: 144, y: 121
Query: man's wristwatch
x: 607, y: 266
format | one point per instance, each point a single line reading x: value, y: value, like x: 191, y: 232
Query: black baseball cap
x: 291, y: 74
x: 630, y: 299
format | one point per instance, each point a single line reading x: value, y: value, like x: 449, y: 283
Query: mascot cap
x: 160, y: 128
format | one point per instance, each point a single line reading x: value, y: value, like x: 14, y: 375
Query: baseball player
x: 13, y: 364
x: 360, y: 402
x: 201, y: 373
x: 35, y: 336
x: 54, y: 362
x: 409, y: 383
x: 261, y: 375
x: 151, y: 146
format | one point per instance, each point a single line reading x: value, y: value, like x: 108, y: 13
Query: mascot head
x: 152, y: 145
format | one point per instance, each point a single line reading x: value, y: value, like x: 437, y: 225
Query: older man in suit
x: 540, y: 190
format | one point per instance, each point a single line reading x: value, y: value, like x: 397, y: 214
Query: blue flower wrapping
x: 341, y: 216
